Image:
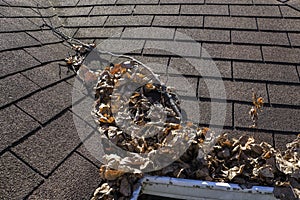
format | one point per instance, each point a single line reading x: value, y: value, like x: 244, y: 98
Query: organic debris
x: 258, y: 103
x: 140, y: 120
x: 120, y: 188
x: 289, y: 161
x: 240, y: 161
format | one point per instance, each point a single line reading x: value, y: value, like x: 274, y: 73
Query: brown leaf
x: 267, y: 155
x: 110, y: 174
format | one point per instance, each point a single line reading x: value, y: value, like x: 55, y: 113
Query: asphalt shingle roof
x: 254, y: 43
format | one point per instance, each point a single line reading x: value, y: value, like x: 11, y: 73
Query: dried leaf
x: 267, y: 155
x: 110, y: 174
x: 102, y: 192
x: 235, y: 171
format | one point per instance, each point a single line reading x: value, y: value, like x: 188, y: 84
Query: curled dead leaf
x: 110, y: 174
x: 233, y: 172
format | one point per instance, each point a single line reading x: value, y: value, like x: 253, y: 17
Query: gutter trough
x: 201, y: 190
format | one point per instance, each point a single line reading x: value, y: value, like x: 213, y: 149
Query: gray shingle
x: 47, y: 74
x: 289, y: 12
x: 173, y: 47
x: 48, y: 12
x: 45, y: 37
x: 16, y: 40
x: 294, y: 3
x: 148, y: 33
x: 65, y: 3
x: 159, y: 9
x: 261, y: 71
x: 96, y: 2
x: 190, y: 110
x: 281, y: 54
x: 122, y: 46
x: 137, y: 2
x: 204, y: 34
x: 129, y: 21
x: 112, y: 10
x: 266, y: 2
x: 229, y: 1
x: 75, y: 179
x: 17, y: 179
x: 17, y: 12
x: 181, y: 1
x: 49, y: 53
x: 236, y: 91
x: 205, y: 9
x: 85, y: 21
x: 19, y: 24
x: 46, y: 104
x: 183, y: 67
x: 14, y: 61
x: 278, y: 24
x: 206, y: 115
x: 250, y: 37
x: 157, y: 64
x: 266, y: 11
x: 68, y: 31
x: 241, y: 52
x: 230, y: 22
x: 73, y: 11
x: 85, y: 152
x: 15, y: 87
x: 27, y: 3
x: 15, y: 124
x: 284, y: 94
x: 295, y: 39
x: 98, y: 32
x: 183, y: 86
x: 49, y: 146
x: 186, y: 21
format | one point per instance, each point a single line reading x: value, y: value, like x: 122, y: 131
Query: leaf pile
x: 239, y: 161
x: 141, y: 120
x: 125, y: 115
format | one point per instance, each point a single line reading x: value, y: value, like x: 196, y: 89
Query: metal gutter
x: 200, y: 190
